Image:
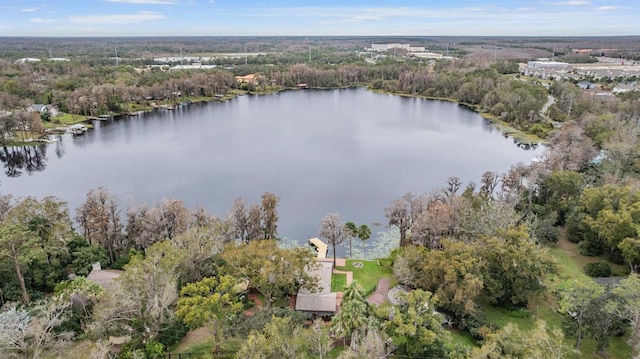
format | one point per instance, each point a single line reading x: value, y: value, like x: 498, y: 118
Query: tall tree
x: 364, y: 233
x: 254, y: 223
x: 414, y: 326
x: 280, y: 338
x: 354, y: 313
x: 99, y: 218
x: 20, y: 245
x: 516, y: 269
x: 318, y: 339
x: 212, y: 302
x: 271, y: 270
x: 48, y: 219
x: 350, y: 231
x: 577, y: 297
x: 142, y: 297
x: 333, y: 231
x: 399, y: 214
x: 629, y: 292
x: 270, y: 215
x: 240, y: 214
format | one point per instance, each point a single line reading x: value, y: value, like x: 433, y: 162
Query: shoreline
x: 506, y: 129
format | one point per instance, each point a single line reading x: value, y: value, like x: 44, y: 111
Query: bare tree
x: 33, y: 333
x: 240, y: 215
x: 402, y: 212
x: 489, y: 182
x: 99, y: 218
x: 333, y: 231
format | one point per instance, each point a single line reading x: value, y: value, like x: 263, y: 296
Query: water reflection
x: 17, y: 160
x: 346, y: 151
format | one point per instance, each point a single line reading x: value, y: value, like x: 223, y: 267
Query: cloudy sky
x: 311, y: 17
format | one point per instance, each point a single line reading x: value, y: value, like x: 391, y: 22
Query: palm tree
x: 350, y: 231
x: 364, y: 233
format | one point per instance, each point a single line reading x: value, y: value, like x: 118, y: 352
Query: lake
x: 349, y: 151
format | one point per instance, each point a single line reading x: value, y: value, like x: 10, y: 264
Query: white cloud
x: 153, y: 2
x: 29, y: 9
x: 39, y: 20
x: 607, y: 8
x: 116, y: 18
x: 572, y: 3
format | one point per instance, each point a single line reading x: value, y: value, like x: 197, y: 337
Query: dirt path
x: 380, y: 295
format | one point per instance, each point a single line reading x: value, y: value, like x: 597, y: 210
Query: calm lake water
x: 348, y: 151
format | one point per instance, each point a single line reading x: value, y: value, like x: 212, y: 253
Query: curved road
x: 550, y: 101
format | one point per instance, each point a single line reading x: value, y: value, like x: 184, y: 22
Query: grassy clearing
x: 205, y: 346
x: 64, y: 119
x: 572, y: 250
x: 369, y: 274
x: 338, y: 282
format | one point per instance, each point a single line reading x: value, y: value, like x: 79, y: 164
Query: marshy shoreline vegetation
x: 498, y: 268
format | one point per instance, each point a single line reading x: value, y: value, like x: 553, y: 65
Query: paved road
x: 550, y: 101
x: 380, y: 295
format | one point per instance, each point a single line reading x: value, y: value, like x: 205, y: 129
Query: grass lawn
x: 201, y: 345
x: 64, y: 119
x: 369, y: 274
x: 338, y: 282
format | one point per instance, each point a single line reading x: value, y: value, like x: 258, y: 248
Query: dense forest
x: 463, y: 252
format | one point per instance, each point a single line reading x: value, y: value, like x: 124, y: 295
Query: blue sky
x: 328, y: 17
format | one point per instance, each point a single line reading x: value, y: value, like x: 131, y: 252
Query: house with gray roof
x: 322, y: 303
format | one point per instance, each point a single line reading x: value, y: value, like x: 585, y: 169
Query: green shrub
x: 598, y: 269
x: 515, y: 312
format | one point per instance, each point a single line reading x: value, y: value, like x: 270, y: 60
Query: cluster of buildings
x: 25, y: 60
x: 411, y: 51
x: 604, y: 68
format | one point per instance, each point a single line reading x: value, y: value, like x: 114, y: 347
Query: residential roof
x: 323, y: 300
x: 316, y: 303
x: 321, y: 247
x: 104, y: 277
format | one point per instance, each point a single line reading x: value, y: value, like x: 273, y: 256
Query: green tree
x: 213, y: 301
x: 350, y: 231
x: 454, y: 274
x: 48, y: 219
x: 577, y: 297
x: 560, y: 190
x: 271, y: 270
x: 353, y: 315
x: 516, y: 269
x: 364, y: 233
x: 415, y: 327
x: 20, y: 245
x: 280, y: 338
x: 629, y: 292
x: 142, y: 297
x: 630, y: 248
x: 511, y: 342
